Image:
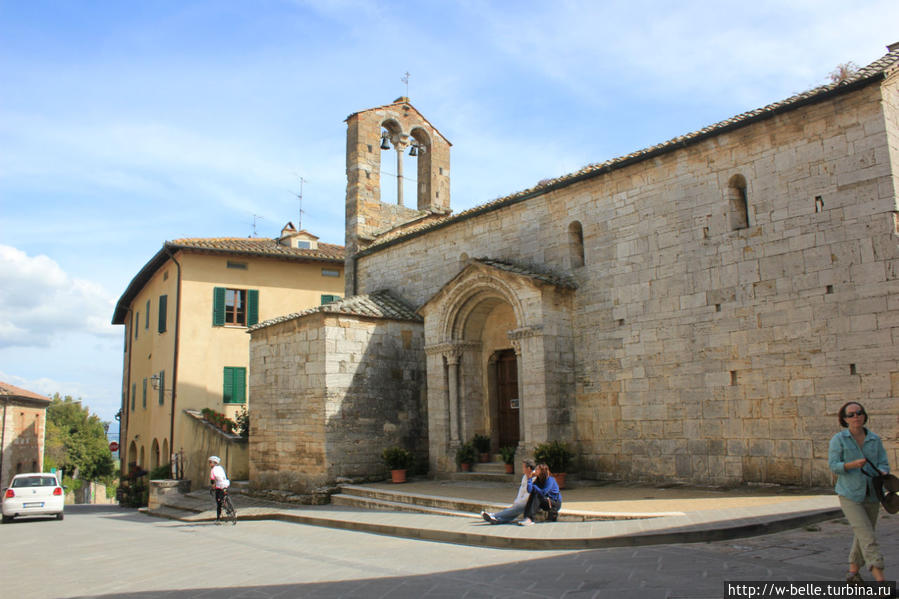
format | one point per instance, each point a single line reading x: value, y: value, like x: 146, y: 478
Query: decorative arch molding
x: 468, y: 295
x: 462, y: 338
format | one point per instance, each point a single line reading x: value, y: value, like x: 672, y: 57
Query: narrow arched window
x: 576, y: 244
x: 737, y: 203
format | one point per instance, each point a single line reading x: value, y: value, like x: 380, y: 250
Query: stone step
x: 398, y: 500
x: 451, y: 504
x: 499, y: 477
x: 383, y: 505
x: 489, y: 467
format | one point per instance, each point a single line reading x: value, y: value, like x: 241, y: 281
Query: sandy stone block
x: 801, y: 387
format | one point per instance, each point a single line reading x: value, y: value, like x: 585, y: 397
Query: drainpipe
x: 175, y: 352
x: 126, y: 415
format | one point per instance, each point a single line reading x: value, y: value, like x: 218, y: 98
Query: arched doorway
x: 154, y: 455
x: 505, y: 397
x: 488, y: 332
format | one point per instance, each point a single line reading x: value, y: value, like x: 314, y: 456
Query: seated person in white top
x: 517, y: 508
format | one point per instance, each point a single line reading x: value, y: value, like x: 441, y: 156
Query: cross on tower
x: 405, y: 79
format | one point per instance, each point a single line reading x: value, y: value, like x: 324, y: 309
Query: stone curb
x: 523, y: 538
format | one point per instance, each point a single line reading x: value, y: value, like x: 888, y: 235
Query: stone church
x: 695, y: 311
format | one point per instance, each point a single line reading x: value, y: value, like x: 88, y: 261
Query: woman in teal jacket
x: 850, y: 451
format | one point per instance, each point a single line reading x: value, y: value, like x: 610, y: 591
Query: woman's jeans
x: 509, y: 514
x: 537, y: 502
x: 862, y: 518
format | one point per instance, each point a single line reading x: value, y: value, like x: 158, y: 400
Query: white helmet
x: 215, y: 459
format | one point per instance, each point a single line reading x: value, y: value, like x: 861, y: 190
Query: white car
x: 33, y: 494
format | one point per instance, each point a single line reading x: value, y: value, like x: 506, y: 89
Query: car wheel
x: 7, y: 519
x: 59, y: 516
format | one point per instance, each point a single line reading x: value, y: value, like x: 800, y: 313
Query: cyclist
x: 220, y: 483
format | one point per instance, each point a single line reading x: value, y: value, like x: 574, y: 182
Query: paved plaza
x: 115, y: 552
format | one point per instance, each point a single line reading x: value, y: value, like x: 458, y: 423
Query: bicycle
x: 230, y: 514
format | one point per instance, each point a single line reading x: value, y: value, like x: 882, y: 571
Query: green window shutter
x: 234, y: 388
x: 136, y: 324
x: 144, y: 396
x: 240, y: 385
x: 147, y: 317
x: 327, y: 299
x: 252, y: 307
x: 163, y: 305
x: 218, y: 307
x: 133, y: 395
x: 228, y: 385
x: 161, y: 387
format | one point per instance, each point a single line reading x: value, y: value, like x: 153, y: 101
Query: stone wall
x: 320, y: 410
x: 207, y: 441
x: 23, y: 438
x: 704, y: 353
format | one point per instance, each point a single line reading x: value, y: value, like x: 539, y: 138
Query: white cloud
x: 39, y: 302
x: 97, y: 398
x: 718, y: 51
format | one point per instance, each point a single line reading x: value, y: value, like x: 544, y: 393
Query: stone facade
x: 23, y: 422
x: 732, y: 288
x: 332, y: 388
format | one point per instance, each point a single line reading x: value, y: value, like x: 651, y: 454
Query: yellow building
x: 186, y: 347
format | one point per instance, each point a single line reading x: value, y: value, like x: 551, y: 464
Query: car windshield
x: 34, y: 481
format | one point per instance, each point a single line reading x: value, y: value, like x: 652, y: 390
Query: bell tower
x: 400, y: 127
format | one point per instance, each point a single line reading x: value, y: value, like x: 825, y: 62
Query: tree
x: 76, y: 441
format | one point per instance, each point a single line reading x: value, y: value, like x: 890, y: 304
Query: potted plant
x: 398, y: 460
x: 465, y: 455
x: 508, y: 455
x: 482, y: 446
x: 557, y: 456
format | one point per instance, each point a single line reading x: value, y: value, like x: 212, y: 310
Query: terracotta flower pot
x: 466, y: 467
x: 398, y: 476
x: 560, y: 478
x: 510, y: 468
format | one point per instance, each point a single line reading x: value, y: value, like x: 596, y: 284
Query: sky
x: 126, y: 124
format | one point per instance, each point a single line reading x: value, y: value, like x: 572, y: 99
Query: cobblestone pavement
x: 113, y: 552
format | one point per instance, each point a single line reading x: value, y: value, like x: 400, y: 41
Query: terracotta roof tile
x: 258, y: 247
x: 533, y: 272
x: 380, y: 304
x: 7, y: 390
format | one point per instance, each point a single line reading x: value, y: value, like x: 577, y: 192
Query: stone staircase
x: 399, y: 501
x: 488, y: 471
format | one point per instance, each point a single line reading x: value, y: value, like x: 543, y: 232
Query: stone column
x: 452, y: 359
x: 522, y: 431
x: 529, y: 358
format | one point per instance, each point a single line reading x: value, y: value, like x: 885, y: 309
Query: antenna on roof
x: 300, y: 198
x: 255, y: 218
